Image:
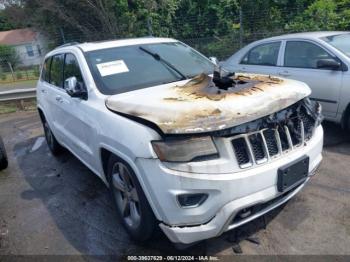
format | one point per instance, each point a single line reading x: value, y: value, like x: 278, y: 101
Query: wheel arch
x: 41, y: 114
x: 105, y: 153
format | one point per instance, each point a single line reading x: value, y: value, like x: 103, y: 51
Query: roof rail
x: 67, y: 44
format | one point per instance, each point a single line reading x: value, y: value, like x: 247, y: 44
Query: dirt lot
x: 57, y: 206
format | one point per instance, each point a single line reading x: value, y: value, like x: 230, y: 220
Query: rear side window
x: 264, y: 55
x: 301, y: 54
x: 56, y: 71
x: 71, y: 68
x: 45, y: 74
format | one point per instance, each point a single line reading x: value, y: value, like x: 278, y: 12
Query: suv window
x: 56, y: 71
x: 71, y: 68
x: 303, y: 54
x: 265, y: 55
x: 45, y: 74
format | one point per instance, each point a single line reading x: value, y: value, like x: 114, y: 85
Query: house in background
x: 30, y: 45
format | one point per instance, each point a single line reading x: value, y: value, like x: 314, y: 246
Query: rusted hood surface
x: 198, y: 106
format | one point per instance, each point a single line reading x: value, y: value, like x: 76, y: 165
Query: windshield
x: 123, y: 69
x: 340, y: 42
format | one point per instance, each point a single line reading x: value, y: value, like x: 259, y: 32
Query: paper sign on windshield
x: 111, y: 68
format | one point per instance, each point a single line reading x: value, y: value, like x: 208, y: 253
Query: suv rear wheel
x: 131, y: 203
x: 347, y: 123
x: 51, y: 141
x: 3, y: 156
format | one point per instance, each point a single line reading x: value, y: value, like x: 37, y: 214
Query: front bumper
x: 228, y: 194
x: 224, y: 219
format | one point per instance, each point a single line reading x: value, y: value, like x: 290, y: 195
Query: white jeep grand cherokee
x: 179, y: 148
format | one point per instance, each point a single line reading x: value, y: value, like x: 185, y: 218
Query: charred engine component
x: 309, y: 112
x: 223, y: 82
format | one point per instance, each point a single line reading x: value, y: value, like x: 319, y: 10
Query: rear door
x: 42, y: 88
x: 261, y: 59
x: 300, y: 63
x: 54, y: 86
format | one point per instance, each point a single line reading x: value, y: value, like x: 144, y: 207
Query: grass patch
x: 18, y: 85
x: 16, y: 106
x: 19, y: 75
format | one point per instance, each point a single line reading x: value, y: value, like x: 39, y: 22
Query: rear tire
x: 51, y: 140
x: 347, y: 123
x: 131, y: 203
x: 3, y: 156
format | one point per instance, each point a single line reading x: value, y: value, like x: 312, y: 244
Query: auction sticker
x: 112, y: 68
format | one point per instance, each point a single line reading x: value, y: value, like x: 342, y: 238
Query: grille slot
x: 283, y: 138
x: 258, y: 149
x: 308, y: 122
x: 271, y: 142
x: 241, y: 151
x: 296, y: 131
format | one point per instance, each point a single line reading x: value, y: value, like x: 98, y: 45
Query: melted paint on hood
x: 198, y: 106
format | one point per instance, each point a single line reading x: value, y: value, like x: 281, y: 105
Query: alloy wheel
x: 126, y: 195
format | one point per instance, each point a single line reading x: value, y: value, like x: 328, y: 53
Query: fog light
x: 191, y: 200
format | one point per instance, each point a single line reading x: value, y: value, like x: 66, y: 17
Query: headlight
x: 184, y: 150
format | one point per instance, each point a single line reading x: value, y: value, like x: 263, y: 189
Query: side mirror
x: 328, y: 64
x: 214, y: 60
x: 75, y: 88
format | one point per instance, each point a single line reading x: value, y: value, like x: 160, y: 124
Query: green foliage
x: 19, y: 75
x: 5, y: 23
x: 321, y: 15
x: 36, y: 71
x: 2, y: 74
x: 8, y: 55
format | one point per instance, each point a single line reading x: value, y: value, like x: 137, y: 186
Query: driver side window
x: 72, y: 69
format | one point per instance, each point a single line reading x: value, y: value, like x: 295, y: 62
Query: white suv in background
x: 194, y: 154
x: 319, y: 59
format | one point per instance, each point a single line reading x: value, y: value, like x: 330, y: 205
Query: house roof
x: 17, y: 36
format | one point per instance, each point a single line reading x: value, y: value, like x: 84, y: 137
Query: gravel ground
x: 57, y: 206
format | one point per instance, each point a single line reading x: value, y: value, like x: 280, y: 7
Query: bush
x: 3, y: 76
x: 19, y: 75
x: 36, y: 71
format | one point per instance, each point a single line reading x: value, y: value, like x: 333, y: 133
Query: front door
x: 76, y: 119
x: 300, y: 63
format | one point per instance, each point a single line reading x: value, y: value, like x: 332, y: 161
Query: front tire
x: 3, y: 156
x: 51, y: 141
x: 131, y: 203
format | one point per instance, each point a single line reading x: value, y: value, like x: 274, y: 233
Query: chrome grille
x: 261, y: 146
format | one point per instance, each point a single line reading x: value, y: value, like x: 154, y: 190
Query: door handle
x: 43, y: 91
x: 243, y: 70
x: 284, y: 73
x: 59, y: 99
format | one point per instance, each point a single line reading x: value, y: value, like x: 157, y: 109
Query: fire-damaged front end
x: 224, y: 155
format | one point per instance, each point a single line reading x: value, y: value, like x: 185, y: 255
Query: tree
x: 320, y: 15
x: 8, y: 56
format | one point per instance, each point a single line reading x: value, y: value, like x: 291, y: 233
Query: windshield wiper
x: 160, y: 59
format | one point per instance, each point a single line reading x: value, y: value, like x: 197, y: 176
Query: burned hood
x: 199, y: 106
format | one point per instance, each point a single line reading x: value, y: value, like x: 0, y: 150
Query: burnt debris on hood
x: 205, y: 105
x: 218, y: 87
